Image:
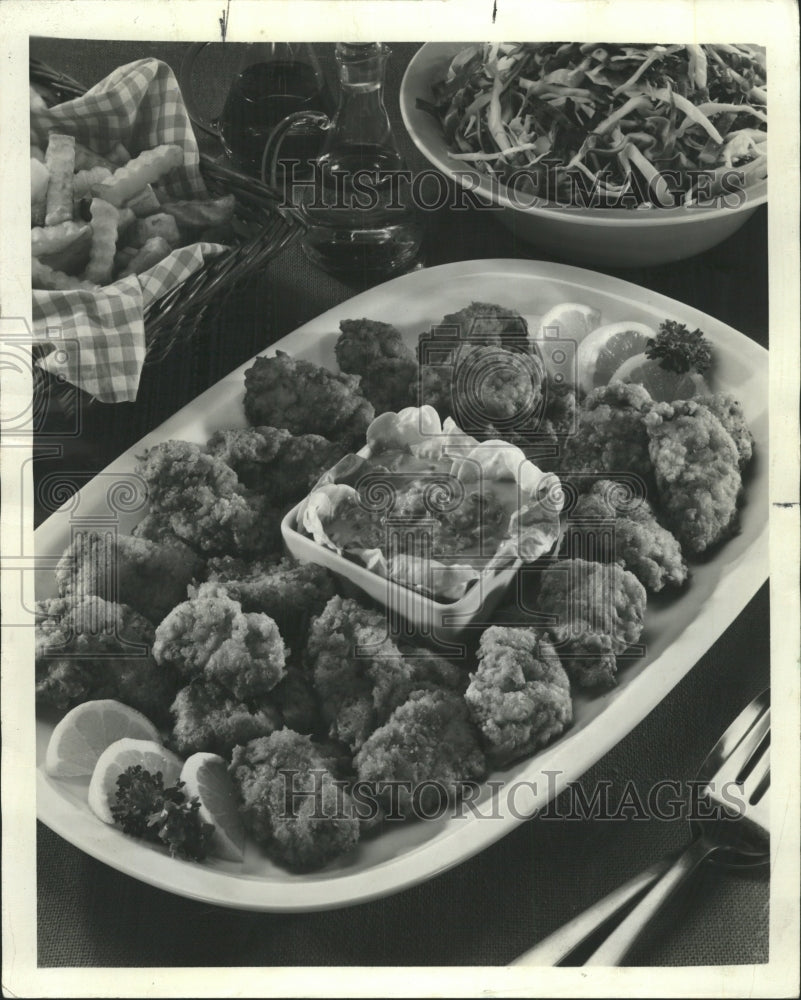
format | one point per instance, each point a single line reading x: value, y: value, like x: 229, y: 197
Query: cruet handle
x: 312, y: 120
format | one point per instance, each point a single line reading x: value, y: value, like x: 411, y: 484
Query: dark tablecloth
x: 491, y: 908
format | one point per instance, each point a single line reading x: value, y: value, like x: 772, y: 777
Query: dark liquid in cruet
x: 261, y: 97
x: 359, y: 228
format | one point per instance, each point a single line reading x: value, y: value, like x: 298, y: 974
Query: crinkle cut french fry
x: 151, y: 253
x: 105, y: 218
x: 119, y: 154
x: 60, y: 162
x: 155, y: 225
x: 51, y: 239
x: 47, y: 278
x: 86, y: 158
x: 197, y: 215
x: 126, y: 218
x: 40, y: 179
x: 74, y: 257
x: 144, y: 202
x: 144, y: 169
x: 84, y: 181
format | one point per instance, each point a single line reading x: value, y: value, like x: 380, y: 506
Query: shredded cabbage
x: 603, y: 125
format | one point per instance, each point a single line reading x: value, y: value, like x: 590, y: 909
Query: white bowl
x: 444, y: 621
x: 446, y: 624
x: 612, y: 237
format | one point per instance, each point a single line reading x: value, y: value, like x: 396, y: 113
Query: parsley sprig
x: 680, y: 350
x: 144, y: 808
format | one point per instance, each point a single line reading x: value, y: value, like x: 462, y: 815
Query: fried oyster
x: 519, y: 695
x: 306, y: 398
x: 376, y: 352
x: 90, y: 648
x: 697, y: 468
x: 598, y: 610
x: 607, y: 525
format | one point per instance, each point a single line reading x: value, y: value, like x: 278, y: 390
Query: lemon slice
x: 604, y: 350
x: 571, y: 320
x: 84, y: 733
x: 119, y: 757
x: 568, y: 321
x: 664, y: 386
x: 206, y: 776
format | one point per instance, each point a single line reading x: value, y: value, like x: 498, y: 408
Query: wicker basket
x: 263, y: 224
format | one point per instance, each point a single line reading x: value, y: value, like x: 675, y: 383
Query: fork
x: 740, y: 758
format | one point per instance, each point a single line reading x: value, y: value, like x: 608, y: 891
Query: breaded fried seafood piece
x: 519, y: 697
x: 497, y: 386
x: 559, y: 418
x: 280, y: 466
x: 697, y: 467
x: 156, y: 528
x: 488, y: 390
x: 306, y: 398
x: 376, y: 352
x: 542, y: 435
x: 290, y: 801
x: 435, y: 388
x: 427, y: 750
x: 148, y: 577
x: 611, y: 437
x: 611, y: 526
x: 89, y: 648
x: 360, y: 674
x: 204, y: 503
x: 598, y: 610
x: 211, y: 637
x: 730, y: 413
x: 289, y: 592
x: 208, y: 717
x: 489, y: 325
x: 589, y: 657
x: 449, y: 345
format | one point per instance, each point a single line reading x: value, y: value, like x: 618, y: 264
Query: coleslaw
x: 608, y: 125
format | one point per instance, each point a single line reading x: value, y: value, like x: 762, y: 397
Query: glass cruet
x: 362, y: 225
x: 252, y: 87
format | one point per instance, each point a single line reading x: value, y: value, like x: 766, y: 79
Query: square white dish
x: 677, y: 632
x: 442, y: 621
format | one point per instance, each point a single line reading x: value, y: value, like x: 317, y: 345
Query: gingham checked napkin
x: 99, y: 337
